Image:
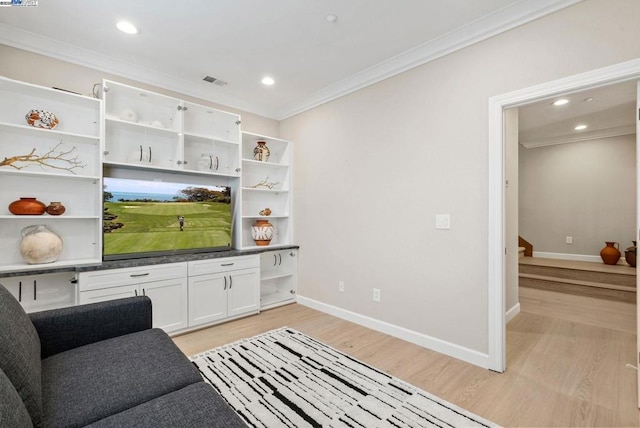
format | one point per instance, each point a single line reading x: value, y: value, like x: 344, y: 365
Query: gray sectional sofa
x: 99, y: 365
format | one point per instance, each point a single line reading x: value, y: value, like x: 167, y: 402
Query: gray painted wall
x: 585, y: 190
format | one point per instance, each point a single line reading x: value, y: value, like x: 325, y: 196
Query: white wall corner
x: 451, y: 349
x: 511, y: 313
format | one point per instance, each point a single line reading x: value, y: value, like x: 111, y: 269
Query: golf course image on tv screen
x: 154, y: 217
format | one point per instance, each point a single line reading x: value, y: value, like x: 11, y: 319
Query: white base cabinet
x: 165, y: 284
x: 220, y: 289
x: 42, y: 292
x: 278, y: 278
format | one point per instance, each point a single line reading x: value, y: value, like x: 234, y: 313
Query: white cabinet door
x: 169, y: 303
x: 42, y: 292
x: 244, y: 291
x: 112, y: 293
x: 207, y: 298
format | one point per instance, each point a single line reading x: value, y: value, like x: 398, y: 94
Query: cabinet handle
x: 230, y: 282
x: 35, y: 291
x: 136, y: 292
x: 226, y: 264
x: 149, y: 154
x: 280, y: 257
x: 144, y: 293
x: 20, y: 291
x: 275, y: 259
x: 217, y: 163
x: 140, y: 152
x: 225, y: 282
x: 137, y: 275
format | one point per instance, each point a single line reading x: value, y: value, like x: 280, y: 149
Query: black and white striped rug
x: 284, y: 378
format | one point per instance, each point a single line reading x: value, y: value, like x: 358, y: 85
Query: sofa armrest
x: 75, y: 326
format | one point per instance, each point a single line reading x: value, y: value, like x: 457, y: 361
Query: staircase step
x: 579, y: 282
x: 579, y: 271
x: 580, y: 290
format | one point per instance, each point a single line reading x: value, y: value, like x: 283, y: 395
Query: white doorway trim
x: 629, y: 70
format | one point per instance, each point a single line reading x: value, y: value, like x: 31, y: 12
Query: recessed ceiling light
x: 268, y: 81
x: 580, y: 127
x: 331, y: 18
x: 127, y: 27
x: 561, y: 102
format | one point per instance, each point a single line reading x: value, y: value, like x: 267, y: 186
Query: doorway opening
x: 497, y: 220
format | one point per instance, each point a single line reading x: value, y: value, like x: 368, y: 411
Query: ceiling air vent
x: 215, y: 81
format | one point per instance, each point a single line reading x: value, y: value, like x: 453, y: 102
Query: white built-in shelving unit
x: 78, y: 189
x: 277, y: 195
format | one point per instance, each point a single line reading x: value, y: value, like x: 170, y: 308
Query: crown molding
x: 488, y: 26
x: 28, y: 41
x: 498, y: 22
x: 583, y: 136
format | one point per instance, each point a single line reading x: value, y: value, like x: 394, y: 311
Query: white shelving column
x: 77, y: 137
x: 266, y: 184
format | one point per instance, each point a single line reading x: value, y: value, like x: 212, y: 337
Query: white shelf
x: 54, y: 265
x: 143, y: 126
x: 267, y: 277
x: 125, y: 165
x: 43, y: 174
x: 262, y: 190
x: 251, y: 163
x: 264, y: 217
x: 209, y: 138
x: 26, y: 129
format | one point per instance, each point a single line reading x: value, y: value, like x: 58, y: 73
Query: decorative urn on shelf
x: 27, y: 206
x: 40, y: 245
x: 610, y: 254
x: 55, y: 208
x: 262, y: 232
x: 261, y: 152
x: 630, y: 254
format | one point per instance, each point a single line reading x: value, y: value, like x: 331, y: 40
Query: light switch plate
x: 443, y: 221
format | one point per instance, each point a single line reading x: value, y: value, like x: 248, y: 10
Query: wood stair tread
x: 578, y: 282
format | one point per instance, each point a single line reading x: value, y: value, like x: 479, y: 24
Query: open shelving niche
x: 79, y: 189
x: 277, y: 196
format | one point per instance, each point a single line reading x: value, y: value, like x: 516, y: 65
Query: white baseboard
x: 564, y: 256
x: 511, y: 313
x: 438, y: 345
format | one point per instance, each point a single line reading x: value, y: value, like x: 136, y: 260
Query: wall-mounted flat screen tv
x: 144, y: 218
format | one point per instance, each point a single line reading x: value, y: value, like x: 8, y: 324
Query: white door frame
x: 629, y: 70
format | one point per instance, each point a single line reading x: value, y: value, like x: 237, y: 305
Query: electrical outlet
x: 376, y: 295
x: 569, y: 240
x: 341, y: 286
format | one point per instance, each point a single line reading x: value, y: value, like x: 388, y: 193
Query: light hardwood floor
x: 566, y: 360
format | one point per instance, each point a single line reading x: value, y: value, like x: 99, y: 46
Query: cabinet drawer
x: 203, y: 267
x: 126, y: 276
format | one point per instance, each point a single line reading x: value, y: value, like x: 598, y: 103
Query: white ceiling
x: 240, y: 41
x: 607, y: 111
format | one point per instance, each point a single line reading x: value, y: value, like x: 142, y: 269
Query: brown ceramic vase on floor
x: 610, y: 254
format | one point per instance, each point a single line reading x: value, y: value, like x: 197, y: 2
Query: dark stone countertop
x: 147, y: 261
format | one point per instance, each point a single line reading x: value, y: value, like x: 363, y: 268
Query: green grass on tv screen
x: 155, y: 226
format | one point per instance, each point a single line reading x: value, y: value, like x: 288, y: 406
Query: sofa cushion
x: 197, y: 405
x: 13, y: 412
x: 20, y: 356
x: 89, y: 383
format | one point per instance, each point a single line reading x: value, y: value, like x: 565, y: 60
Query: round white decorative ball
x: 40, y: 246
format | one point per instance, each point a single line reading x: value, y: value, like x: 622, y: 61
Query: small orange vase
x: 610, y: 254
